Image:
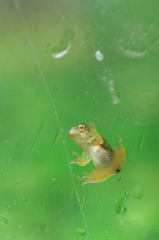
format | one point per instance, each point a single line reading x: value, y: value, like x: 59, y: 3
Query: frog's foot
x: 80, y: 160
x: 72, y: 161
x: 119, y: 145
x: 114, y: 148
x: 75, y: 154
x: 120, y: 142
x: 80, y: 177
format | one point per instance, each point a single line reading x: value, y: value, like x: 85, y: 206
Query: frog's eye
x: 81, y: 127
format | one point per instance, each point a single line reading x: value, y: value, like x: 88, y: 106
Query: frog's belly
x: 100, y: 156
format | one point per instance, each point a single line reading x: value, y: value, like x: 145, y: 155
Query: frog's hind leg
x: 80, y: 160
x: 119, y: 157
x: 98, y: 175
x: 101, y: 174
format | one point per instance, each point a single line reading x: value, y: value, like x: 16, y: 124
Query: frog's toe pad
x: 119, y: 141
x: 79, y: 177
x: 72, y: 161
x: 74, y: 154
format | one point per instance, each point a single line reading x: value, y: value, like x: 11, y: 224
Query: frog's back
x: 100, y: 156
x: 106, y: 146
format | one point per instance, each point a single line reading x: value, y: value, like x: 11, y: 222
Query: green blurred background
x: 42, y: 96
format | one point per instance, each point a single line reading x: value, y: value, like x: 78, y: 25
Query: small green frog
x: 106, y: 161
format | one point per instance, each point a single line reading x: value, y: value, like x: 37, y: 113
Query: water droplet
x: 119, y: 206
x: 134, y: 54
x: 64, y: 45
x: 141, y: 142
x: 84, y: 202
x: 127, y: 194
x: 99, y: 56
x: 154, y: 41
x: 106, y: 235
x: 116, y: 99
x: 76, y: 97
x: 138, y: 191
x: 80, y: 232
x: 111, y: 85
x: 25, y: 199
x: 123, y: 186
x: 58, y: 53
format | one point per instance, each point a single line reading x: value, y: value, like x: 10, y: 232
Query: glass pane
x: 65, y: 63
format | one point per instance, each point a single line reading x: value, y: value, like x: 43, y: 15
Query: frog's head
x: 79, y: 133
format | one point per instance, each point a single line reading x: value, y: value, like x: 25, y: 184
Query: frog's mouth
x: 75, y: 132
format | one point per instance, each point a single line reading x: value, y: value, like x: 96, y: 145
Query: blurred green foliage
x: 41, y: 97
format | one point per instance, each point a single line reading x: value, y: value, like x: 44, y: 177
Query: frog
x: 107, y: 160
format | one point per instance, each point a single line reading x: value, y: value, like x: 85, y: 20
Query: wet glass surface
x: 69, y: 62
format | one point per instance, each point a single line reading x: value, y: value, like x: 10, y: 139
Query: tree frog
x: 106, y: 161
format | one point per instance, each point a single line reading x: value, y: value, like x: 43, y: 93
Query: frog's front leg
x: 94, y: 134
x: 80, y: 160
